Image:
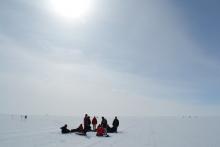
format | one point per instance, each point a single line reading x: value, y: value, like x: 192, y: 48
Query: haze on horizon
x: 127, y: 57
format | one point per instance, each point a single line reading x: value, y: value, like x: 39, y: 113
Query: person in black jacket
x: 115, y: 124
x: 87, y: 123
x: 64, y: 129
x: 79, y: 129
x: 104, y: 122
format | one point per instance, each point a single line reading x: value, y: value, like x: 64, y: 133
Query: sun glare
x: 71, y: 9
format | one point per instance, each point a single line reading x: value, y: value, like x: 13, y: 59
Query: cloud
x: 136, y: 58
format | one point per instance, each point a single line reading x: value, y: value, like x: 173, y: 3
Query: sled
x: 81, y: 134
x: 104, y: 136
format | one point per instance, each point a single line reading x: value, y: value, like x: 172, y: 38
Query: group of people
x: 101, y: 130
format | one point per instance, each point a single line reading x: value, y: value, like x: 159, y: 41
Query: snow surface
x: 43, y: 131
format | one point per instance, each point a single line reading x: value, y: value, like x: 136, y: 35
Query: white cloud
x: 141, y: 62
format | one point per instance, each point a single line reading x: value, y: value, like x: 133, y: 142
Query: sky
x: 127, y: 57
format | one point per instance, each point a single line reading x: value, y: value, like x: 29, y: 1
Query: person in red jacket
x: 100, y: 131
x: 94, y: 123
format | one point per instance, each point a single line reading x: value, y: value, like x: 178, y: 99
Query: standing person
x: 89, y: 123
x: 94, y: 123
x: 115, y: 124
x: 85, y: 120
x: 104, y: 124
x: 85, y: 123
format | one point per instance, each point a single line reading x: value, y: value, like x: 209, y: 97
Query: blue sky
x: 159, y: 57
x: 203, y: 20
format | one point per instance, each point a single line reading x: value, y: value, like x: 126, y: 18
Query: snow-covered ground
x: 43, y: 131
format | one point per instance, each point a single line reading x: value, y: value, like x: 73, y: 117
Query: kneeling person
x: 101, y: 131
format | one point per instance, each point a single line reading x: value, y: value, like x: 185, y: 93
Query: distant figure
x: 79, y: 129
x: 25, y: 117
x: 64, y: 129
x: 94, y: 123
x: 115, y: 124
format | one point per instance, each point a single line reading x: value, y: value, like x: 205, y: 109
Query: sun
x: 71, y: 9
